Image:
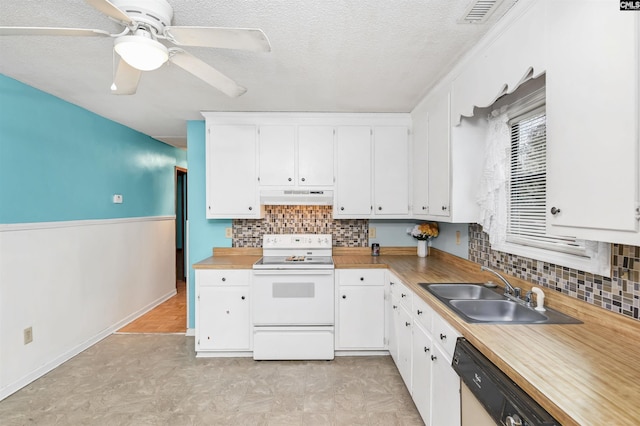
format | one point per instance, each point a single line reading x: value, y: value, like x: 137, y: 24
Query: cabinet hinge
x: 637, y: 212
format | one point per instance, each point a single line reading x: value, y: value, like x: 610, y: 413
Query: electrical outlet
x: 28, y: 335
x: 457, y: 238
x: 228, y: 232
x: 117, y: 198
x: 372, y: 232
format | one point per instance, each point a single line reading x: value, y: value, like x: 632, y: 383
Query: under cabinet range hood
x: 296, y: 197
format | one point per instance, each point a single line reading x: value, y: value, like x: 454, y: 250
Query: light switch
x: 458, y: 238
x: 117, y: 198
x: 372, y: 232
x: 228, y: 232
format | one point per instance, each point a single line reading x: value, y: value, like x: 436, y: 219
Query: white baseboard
x: 190, y: 332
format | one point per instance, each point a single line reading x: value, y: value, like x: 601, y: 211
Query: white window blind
x: 527, y: 186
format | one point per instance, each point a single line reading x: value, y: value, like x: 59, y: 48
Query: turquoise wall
x: 204, y: 234
x: 60, y: 162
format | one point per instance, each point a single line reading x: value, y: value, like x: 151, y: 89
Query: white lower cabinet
x: 421, y: 372
x: 445, y: 390
x: 360, y: 308
x: 422, y: 347
x: 223, y: 318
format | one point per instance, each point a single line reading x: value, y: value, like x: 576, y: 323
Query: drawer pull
x: 426, y: 349
x: 419, y: 312
x: 403, y: 295
x: 433, y: 357
x: 242, y: 298
x: 407, y: 324
x: 443, y: 336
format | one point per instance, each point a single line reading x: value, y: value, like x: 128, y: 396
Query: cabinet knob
x: 391, y: 283
x: 341, y: 208
x: 242, y: 298
x: 424, y: 207
x: 403, y: 295
x: 555, y: 210
x: 395, y: 306
x: 303, y: 179
x: 443, y: 336
x: 433, y: 357
x: 361, y: 278
x: 224, y: 279
x: 407, y: 324
x: 344, y: 296
x: 289, y: 179
x: 444, y: 208
x: 250, y: 208
x: 426, y: 349
x: 379, y: 207
x: 419, y: 312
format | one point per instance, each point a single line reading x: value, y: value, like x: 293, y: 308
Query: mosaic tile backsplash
x: 300, y: 220
x: 620, y: 293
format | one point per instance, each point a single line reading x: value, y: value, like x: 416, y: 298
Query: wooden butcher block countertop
x: 583, y: 374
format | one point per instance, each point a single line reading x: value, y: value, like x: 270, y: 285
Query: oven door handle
x: 292, y: 271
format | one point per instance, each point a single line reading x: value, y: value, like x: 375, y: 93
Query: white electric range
x: 293, y: 298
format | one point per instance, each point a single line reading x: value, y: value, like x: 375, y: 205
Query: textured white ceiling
x: 329, y: 55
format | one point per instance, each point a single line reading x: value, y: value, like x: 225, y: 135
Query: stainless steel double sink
x: 476, y: 303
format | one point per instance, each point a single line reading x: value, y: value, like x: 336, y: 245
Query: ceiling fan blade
x: 226, y: 38
x: 125, y: 82
x: 206, y: 73
x: 51, y: 31
x: 109, y: 9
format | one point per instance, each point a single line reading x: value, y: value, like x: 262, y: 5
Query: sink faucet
x: 508, y: 288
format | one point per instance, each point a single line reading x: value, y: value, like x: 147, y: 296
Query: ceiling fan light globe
x: 141, y: 53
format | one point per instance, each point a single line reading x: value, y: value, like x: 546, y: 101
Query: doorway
x: 181, y: 220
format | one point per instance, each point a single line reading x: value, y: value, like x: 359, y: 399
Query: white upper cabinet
x: 391, y: 171
x: 353, y: 172
x: 315, y: 155
x: 231, y: 177
x: 439, y: 161
x: 293, y: 155
x: 592, y: 121
x: 420, y: 158
x: 277, y: 155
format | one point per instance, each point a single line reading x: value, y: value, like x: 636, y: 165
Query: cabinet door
x: 394, y: 321
x: 232, y: 190
x: 315, y: 155
x: 592, y: 118
x: 421, y: 372
x: 353, y: 162
x: 445, y: 393
x: 277, y: 155
x: 439, y: 159
x: 420, y: 158
x: 404, y: 345
x: 360, y: 317
x: 391, y: 171
x: 223, y: 318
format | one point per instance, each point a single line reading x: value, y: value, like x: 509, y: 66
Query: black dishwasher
x: 503, y: 400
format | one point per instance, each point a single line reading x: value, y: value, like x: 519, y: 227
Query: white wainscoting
x: 75, y: 283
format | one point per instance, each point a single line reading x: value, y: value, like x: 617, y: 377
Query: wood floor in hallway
x: 168, y: 317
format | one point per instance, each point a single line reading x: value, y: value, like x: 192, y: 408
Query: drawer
x: 402, y: 293
x: 360, y: 276
x: 223, y: 276
x: 422, y: 312
x: 444, y: 335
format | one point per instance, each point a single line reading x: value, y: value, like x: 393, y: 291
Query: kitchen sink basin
x: 497, y: 311
x: 476, y: 303
x: 462, y: 291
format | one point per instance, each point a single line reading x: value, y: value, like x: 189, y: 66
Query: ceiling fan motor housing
x: 157, y: 14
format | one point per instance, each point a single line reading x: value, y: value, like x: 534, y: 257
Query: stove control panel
x: 296, y: 241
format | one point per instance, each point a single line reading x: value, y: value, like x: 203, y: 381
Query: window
x: 527, y: 186
x: 514, y: 213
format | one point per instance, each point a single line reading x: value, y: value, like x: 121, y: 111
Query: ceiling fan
x: 139, y: 48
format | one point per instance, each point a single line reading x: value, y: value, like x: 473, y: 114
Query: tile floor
x: 155, y: 379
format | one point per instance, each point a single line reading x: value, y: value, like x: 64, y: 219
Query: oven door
x: 293, y: 297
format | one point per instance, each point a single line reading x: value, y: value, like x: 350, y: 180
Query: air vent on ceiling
x: 478, y: 11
